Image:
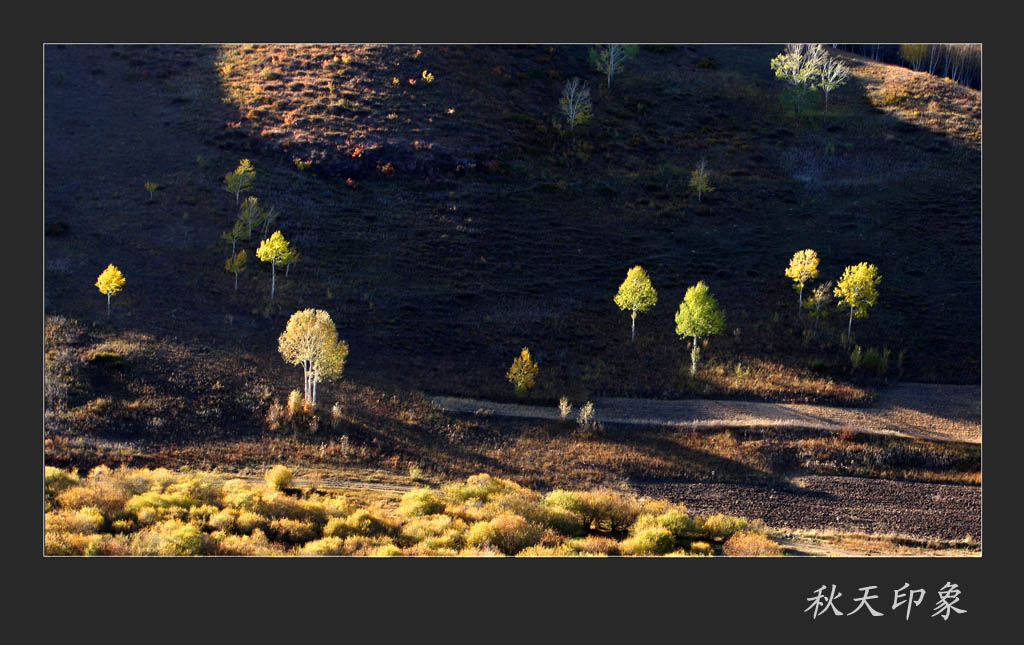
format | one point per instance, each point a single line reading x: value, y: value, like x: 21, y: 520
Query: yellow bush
x: 293, y: 531
x: 723, y: 526
x: 255, y: 544
x: 58, y: 479
x: 747, y: 543
x: 421, y: 528
x: 170, y: 537
x: 595, y: 545
x: 224, y: 520
x: 86, y: 520
x: 107, y: 498
x: 653, y: 539
x: 324, y: 546
x: 239, y: 494
x: 279, y: 477
x: 512, y: 533
x: 421, y: 501
x: 540, y: 551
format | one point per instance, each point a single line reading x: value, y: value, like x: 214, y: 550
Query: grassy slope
x: 490, y: 233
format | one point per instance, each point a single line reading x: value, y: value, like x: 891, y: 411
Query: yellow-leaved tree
x: 240, y: 179
x: 523, y: 372
x: 110, y: 282
x: 802, y: 267
x: 858, y: 289
x: 699, y: 316
x: 310, y: 339
x: 636, y: 294
x: 276, y: 250
x: 236, y: 264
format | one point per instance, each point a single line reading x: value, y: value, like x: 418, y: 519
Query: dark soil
x: 840, y: 503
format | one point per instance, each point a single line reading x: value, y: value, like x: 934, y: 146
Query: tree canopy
x: 310, y: 339
x: 699, y: 316
x: 523, y: 372
x: 240, y: 179
x: 276, y: 250
x: 858, y: 289
x: 803, y: 266
x: 110, y: 282
x: 636, y: 294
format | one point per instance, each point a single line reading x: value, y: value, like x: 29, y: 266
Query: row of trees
x: 857, y: 288
x: 575, y: 102
x: 274, y: 248
x: 698, y: 315
x: 960, y: 62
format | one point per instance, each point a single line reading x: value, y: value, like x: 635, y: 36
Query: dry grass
x: 853, y: 543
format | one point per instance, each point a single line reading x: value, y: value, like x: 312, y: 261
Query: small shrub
x: 512, y: 533
x: 563, y: 521
x: 336, y: 415
x: 480, y: 535
x: 594, y: 544
x: 678, y: 523
x: 255, y: 544
x: 157, y: 500
x: 363, y: 545
x: 248, y: 522
x: 57, y: 480
x: 296, y: 405
x: 700, y: 548
x: 85, y: 520
x: 276, y: 415
x: 856, y: 357
x: 415, y: 472
x: 746, y: 543
x: 523, y: 372
x: 224, y: 520
x: 279, y: 477
x: 170, y: 537
x: 564, y: 407
x: 387, y: 550
x: 478, y: 487
x: 324, y: 546
x: 421, y: 501
x: 652, y: 539
x: 544, y: 551
x: 440, y: 530
x: 723, y: 526
x: 293, y: 531
x: 361, y: 522
x: 586, y: 415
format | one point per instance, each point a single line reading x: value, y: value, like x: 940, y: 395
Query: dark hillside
x: 473, y: 225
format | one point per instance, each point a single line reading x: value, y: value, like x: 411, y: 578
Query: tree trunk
x: 800, y: 299
x: 693, y: 358
x: 632, y: 337
x: 273, y: 278
x: 108, y: 305
x: 849, y: 327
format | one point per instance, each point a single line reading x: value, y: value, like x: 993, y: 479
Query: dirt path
x: 924, y: 411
